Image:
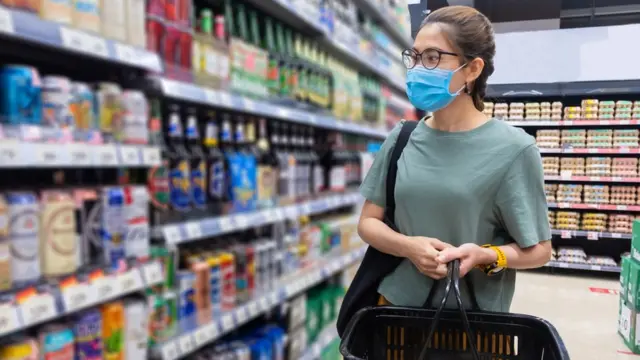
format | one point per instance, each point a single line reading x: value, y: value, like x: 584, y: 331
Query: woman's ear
x: 474, y: 69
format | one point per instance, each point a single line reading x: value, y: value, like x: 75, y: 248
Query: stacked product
x: 567, y: 220
x: 571, y: 255
x: 556, y: 111
x: 620, y: 223
x: 627, y: 138
x: 501, y: 111
x: 548, y: 139
x: 636, y: 110
x: 488, y: 109
x: 598, y: 166
x: 572, y: 112
x: 589, y: 109
x: 596, y: 194
x: 532, y: 111
x: 569, y: 193
x: 550, y: 190
x: 624, y: 109
x: 264, y: 342
x: 624, y: 167
x: 594, y: 222
x: 516, y: 111
x: 606, y: 110
x: 573, y: 166
x: 552, y: 219
x: 551, y: 165
x: 599, y: 138
x: 545, y: 111
x: 623, y: 195
x: 574, y: 138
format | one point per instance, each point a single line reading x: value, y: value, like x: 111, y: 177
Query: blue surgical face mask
x: 428, y: 90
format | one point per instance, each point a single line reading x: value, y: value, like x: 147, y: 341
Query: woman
x: 462, y: 178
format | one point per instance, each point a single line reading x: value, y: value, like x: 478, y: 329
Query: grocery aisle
x: 586, y: 318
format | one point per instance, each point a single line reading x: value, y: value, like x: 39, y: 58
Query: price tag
x: 186, y: 344
x: 273, y: 299
x: 565, y: 234
x: 241, y: 221
x: 212, y: 96
x: 264, y: 304
x: 291, y: 212
x: 106, y: 155
x: 566, y: 174
x: 249, y: 105
x: 153, y: 273
x: 596, y: 267
x: 621, y: 207
x: 169, y: 351
x: 126, y: 53
x: 592, y: 235
x: 6, y: 21
x: 227, y: 322
x: 279, y: 214
x: 212, y: 331
x: 269, y: 216
x: 564, y: 205
x: 194, y: 231
x: 106, y: 287
x: 37, y: 309
x: 306, y: 209
x: 151, y: 156
x: 616, y: 235
x: 48, y: 155
x: 313, y: 119
x: 172, y: 234
x: 80, y: 41
x: 624, y: 122
x: 201, y: 336
x: 9, y: 154
x: 225, y: 99
x: 252, y: 309
x: 290, y: 289
x: 130, y: 281
x: 241, y: 315
x: 283, y: 113
x: 78, y: 296
x: 129, y: 155
x: 563, y: 265
x: 605, y: 122
x: 624, y: 150
x: 79, y: 154
x: 225, y: 223
x: 594, y: 178
x: 567, y: 123
x: 8, y: 319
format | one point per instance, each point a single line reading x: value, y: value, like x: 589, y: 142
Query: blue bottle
x: 21, y: 98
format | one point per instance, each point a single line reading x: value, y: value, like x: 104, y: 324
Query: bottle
x: 250, y: 166
x: 278, y: 140
x: 215, y: 166
x: 334, y: 165
x: 285, y: 62
x: 273, y: 72
x: 301, y: 162
x: 316, y: 172
x: 179, y: 165
x: 229, y: 155
x: 198, y: 162
x: 267, y: 168
x: 158, y: 176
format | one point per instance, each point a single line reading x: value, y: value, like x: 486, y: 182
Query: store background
x: 180, y: 178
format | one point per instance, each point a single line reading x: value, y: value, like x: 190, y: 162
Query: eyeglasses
x: 430, y: 58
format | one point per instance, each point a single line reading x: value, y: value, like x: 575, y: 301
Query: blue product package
x: 187, y: 319
x: 275, y: 335
x: 24, y: 236
x: 198, y: 184
x: 260, y: 348
x: 242, y: 181
x: 21, y: 98
x: 180, y: 186
x: 88, y: 333
x: 113, y: 225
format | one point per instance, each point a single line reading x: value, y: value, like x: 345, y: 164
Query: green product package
x: 314, y: 318
x: 326, y: 306
x: 635, y: 240
x: 167, y: 260
x: 633, y: 285
x: 628, y: 328
x: 625, y: 263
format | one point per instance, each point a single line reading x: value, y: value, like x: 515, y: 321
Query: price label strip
x: 172, y: 234
x: 227, y: 322
x: 169, y: 351
x: 78, y: 296
x: 38, y: 308
x: 8, y: 319
x: 106, y: 155
x: 187, y: 345
x: 106, y: 287
x: 153, y: 273
x: 130, y: 281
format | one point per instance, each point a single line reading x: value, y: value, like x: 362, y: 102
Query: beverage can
x: 186, y: 304
x: 56, y: 342
x: 24, y: 227
x: 88, y: 333
x: 109, y: 109
x: 113, y: 225
x: 20, y: 100
x: 135, y: 117
x: 83, y: 107
x: 113, y: 330
x: 56, y: 101
x: 59, y: 241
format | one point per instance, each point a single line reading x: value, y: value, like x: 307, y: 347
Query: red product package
x: 156, y: 9
x: 155, y: 30
x: 178, y: 12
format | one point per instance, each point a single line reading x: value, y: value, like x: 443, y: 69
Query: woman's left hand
x: 470, y: 255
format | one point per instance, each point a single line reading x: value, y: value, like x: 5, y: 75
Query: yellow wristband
x: 499, y: 265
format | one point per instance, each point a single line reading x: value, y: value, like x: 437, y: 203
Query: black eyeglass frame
x: 419, y: 54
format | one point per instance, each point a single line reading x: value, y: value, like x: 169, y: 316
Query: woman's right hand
x: 422, y: 252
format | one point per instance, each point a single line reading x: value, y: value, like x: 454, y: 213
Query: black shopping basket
x: 400, y: 333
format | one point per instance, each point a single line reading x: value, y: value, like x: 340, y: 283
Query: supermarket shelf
x: 633, y: 208
x: 580, y: 88
x: 591, y: 235
x: 590, y: 151
x: 29, y: 27
x: 197, y: 229
x: 598, y: 179
x: 297, y: 283
x: 286, y: 10
x: 44, y: 307
x: 326, y: 337
x: 562, y: 265
x: 217, y: 98
x: 45, y: 155
x: 385, y: 21
x: 572, y: 123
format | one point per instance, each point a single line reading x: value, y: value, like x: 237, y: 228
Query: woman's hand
x: 470, y: 255
x: 423, y: 251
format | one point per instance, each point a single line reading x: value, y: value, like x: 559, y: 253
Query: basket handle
x: 453, y: 278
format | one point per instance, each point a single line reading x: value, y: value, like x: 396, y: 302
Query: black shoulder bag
x: 363, y: 291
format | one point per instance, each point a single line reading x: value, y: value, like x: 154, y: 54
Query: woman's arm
x: 422, y: 251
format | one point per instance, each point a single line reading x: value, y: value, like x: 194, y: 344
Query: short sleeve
x: 521, y: 200
x: 373, y: 188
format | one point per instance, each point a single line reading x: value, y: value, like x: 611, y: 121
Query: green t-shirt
x: 462, y: 187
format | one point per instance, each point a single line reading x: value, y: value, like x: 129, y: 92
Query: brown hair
x: 472, y: 33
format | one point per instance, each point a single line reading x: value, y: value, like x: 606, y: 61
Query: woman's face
x: 431, y: 36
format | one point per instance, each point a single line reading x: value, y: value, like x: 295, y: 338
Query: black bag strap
x: 401, y: 142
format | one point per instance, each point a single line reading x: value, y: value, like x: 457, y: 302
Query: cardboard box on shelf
x: 633, y: 285
x: 635, y: 240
